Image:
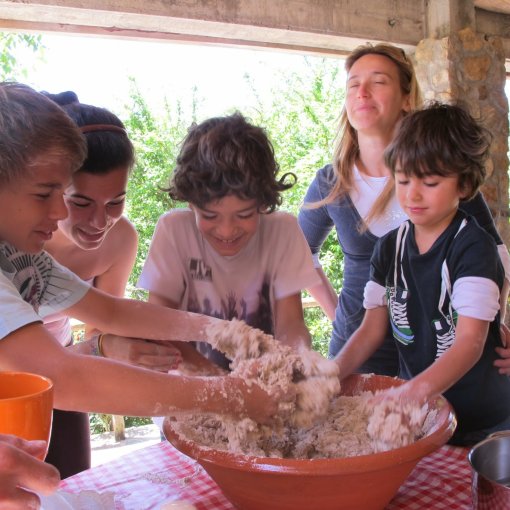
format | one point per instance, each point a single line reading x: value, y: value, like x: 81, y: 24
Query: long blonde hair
x: 346, y: 148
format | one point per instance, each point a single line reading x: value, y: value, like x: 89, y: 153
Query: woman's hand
x: 21, y: 473
x: 155, y: 355
x: 503, y: 364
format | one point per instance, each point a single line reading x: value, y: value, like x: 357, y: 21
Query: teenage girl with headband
x: 99, y: 244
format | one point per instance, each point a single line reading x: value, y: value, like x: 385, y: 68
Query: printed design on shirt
x: 263, y: 317
x: 199, y: 270
x: 31, y: 273
x: 444, y: 329
x: 230, y: 309
x: 397, y: 307
x: 398, y: 293
x: 232, y: 306
x: 444, y: 325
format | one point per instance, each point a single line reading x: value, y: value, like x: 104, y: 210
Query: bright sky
x: 98, y: 70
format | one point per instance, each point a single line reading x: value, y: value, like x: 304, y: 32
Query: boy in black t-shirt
x: 437, y: 278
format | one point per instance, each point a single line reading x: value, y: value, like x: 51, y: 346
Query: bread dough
x: 354, y: 426
x: 319, y: 424
x: 258, y: 358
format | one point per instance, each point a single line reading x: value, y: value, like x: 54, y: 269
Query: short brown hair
x: 441, y: 139
x: 31, y: 125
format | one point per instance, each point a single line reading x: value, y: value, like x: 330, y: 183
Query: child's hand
x: 395, y: 418
x: 264, y: 407
x: 154, y: 355
x: 399, y: 394
x: 503, y: 364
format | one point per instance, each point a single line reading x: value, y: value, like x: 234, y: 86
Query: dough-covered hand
x: 262, y: 406
x: 503, y: 364
x: 260, y: 359
x: 396, y: 418
x: 154, y: 355
x: 21, y: 473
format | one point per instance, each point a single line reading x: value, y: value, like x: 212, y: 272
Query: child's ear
x: 465, y: 191
x: 406, y: 106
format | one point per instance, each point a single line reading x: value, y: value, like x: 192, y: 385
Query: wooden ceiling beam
x: 330, y: 27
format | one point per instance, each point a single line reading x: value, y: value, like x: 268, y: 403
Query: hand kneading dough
x: 319, y: 424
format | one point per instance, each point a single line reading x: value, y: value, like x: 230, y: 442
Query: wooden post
x: 118, y: 428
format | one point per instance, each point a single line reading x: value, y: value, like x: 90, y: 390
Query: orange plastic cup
x: 26, y: 405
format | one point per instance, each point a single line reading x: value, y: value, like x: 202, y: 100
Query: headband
x: 102, y: 127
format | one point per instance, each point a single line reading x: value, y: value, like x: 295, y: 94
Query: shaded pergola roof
x: 332, y: 27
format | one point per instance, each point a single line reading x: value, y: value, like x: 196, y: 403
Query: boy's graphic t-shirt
x: 182, y: 267
x: 33, y: 286
x: 461, y: 274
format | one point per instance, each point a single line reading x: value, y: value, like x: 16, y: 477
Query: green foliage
x: 301, y: 117
x: 100, y: 423
x: 320, y: 329
x: 10, y: 67
x: 157, y: 141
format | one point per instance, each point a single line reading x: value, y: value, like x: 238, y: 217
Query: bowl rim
x: 319, y: 467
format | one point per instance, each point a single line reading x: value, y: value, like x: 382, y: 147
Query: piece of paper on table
x: 84, y: 500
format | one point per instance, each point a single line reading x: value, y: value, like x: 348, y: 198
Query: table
x: 146, y: 478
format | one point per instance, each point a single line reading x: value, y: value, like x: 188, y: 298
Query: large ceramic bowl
x: 366, y: 482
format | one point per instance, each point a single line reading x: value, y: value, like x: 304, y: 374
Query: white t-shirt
x: 366, y: 191
x: 33, y: 286
x: 181, y: 266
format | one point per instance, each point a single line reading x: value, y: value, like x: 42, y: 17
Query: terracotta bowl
x: 366, y: 482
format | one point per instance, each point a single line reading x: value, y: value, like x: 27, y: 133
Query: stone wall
x: 471, y: 67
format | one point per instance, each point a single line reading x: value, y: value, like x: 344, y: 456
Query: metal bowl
x: 490, y: 463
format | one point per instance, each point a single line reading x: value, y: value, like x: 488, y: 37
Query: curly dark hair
x: 228, y: 156
x: 441, y: 139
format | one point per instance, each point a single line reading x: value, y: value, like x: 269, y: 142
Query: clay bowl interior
x: 366, y: 482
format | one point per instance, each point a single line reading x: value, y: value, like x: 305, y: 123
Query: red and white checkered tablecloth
x: 440, y: 481
x: 147, y: 478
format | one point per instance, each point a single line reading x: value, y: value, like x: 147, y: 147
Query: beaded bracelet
x: 97, y: 349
